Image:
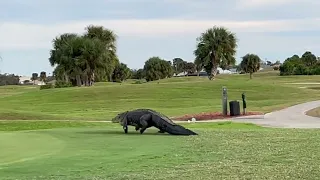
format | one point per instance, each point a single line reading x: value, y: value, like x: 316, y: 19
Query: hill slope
x: 173, y: 97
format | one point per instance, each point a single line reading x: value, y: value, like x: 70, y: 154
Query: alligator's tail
x: 178, y: 130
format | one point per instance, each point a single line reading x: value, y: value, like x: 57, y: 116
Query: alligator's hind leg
x: 137, y: 127
x: 161, y: 130
x: 144, y: 122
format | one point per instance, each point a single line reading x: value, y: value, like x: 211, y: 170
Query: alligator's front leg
x: 144, y: 122
x: 125, y: 125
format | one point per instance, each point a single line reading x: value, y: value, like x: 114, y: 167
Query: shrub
x: 307, y: 64
x: 62, y: 84
x: 315, y: 71
x: 47, y: 86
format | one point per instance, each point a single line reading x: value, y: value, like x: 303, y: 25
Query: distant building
x: 234, y: 71
x: 180, y: 74
x: 26, y: 80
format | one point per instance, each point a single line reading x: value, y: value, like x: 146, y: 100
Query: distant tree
x: 269, y: 63
x: 309, y: 59
x: 34, y: 77
x: 50, y: 78
x: 199, y: 65
x: 156, y: 68
x: 43, y: 76
x: 216, y: 46
x: 288, y: 66
x: 307, y: 64
x: 184, y: 66
x: 277, y: 63
x: 9, y: 79
x: 250, y: 64
x: 178, y: 65
x: 190, y: 67
x: 81, y: 58
x: 138, y: 74
x: 121, y: 73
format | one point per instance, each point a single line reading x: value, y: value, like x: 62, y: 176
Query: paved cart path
x: 291, y: 117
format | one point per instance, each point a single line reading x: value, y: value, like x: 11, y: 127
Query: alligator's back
x: 164, y: 117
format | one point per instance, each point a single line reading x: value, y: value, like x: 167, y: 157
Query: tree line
x: 81, y: 59
x: 9, y: 79
x: 307, y: 64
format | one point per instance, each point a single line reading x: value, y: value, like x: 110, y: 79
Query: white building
x: 22, y: 80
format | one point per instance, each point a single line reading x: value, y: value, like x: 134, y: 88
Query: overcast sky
x: 272, y: 29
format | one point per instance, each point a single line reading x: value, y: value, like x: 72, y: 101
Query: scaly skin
x: 146, y: 118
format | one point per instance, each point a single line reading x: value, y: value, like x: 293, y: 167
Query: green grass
x: 174, y: 97
x: 102, y: 151
x: 31, y: 149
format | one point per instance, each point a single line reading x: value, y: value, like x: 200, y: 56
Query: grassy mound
x: 173, y: 97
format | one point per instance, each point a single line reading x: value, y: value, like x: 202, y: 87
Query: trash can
x: 234, y: 108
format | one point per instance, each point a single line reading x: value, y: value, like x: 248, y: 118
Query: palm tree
x: 60, y: 58
x: 108, y: 37
x: 93, y: 56
x: 81, y: 58
x: 216, y: 46
x: 250, y: 63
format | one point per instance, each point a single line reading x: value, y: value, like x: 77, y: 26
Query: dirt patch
x: 313, y: 112
x: 211, y: 116
x: 314, y: 88
x: 306, y: 83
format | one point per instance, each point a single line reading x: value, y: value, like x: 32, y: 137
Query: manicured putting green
x: 19, y: 147
x: 102, y: 151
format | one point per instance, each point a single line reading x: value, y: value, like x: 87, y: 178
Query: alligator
x: 146, y: 118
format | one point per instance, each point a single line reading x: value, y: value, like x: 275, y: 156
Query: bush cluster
x: 47, y: 86
x: 58, y: 84
x: 62, y: 84
x: 307, y: 64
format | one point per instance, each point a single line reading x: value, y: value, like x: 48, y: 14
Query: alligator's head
x: 119, y: 118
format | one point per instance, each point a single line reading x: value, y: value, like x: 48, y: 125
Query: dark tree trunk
x: 250, y: 75
x: 214, y: 68
x: 92, y: 79
x: 66, y: 78
x: 87, y: 81
x: 78, y: 79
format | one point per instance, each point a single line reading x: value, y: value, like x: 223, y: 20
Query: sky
x: 272, y: 29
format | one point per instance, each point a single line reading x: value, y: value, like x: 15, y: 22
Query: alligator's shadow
x: 130, y: 133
